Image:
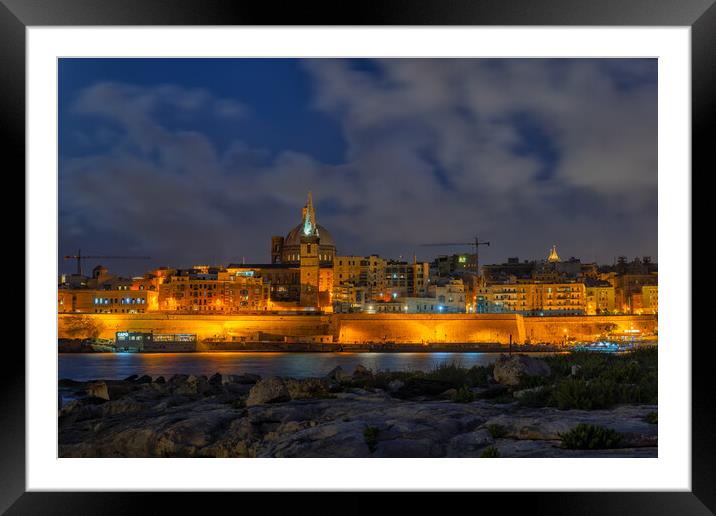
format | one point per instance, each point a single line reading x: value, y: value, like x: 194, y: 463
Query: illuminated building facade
x: 305, y: 273
x: 93, y: 301
x: 531, y: 299
x: 646, y: 301
x: 358, y: 279
x: 403, y: 279
x: 214, y: 291
x: 600, y: 300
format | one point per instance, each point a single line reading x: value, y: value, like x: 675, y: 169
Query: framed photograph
x: 361, y: 253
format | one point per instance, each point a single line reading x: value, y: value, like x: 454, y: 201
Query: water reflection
x: 112, y: 366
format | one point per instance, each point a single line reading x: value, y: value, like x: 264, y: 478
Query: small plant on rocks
x: 463, y: 395
x: 590, y: 437
x: 496, y: 431
x: 370, y: 436
x: 490, y: 452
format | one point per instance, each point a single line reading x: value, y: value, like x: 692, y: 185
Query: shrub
x: 496, y: 431
x: 538, y: 398
x: 458, y: 376
x: 490, y: 453
x: 590, y: 437
x: 463, y: 395
x: 370, y: 436
x: 652, y: 418
x: 583, y: 394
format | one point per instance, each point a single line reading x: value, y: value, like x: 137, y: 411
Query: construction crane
x: 476, y: 243
x: 79, y: 257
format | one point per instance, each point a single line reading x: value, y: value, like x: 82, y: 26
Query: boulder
x: 131, y: 378
x: 508, y: 369
x: 178, y: 379
x: 216, y: 379
x: 159, y: 379
x: 144, y: 379
x: 339, y: 375
x: 192, y: 385
x: 395, y: 385
x: 98, y: 390
x: 362, y: 371
x: 268, y: 390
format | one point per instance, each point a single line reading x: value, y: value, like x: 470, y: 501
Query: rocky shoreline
x: 361, y: 414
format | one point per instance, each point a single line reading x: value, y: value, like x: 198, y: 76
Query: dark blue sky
x: 202, y: 160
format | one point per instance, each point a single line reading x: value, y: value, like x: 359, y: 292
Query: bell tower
x: 309, y: 263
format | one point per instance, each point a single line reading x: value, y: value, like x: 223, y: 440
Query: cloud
x: 526, y: 153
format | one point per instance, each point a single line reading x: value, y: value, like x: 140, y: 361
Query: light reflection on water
x: 115, y: 366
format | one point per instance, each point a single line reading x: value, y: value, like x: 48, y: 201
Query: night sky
x: 201, y: 161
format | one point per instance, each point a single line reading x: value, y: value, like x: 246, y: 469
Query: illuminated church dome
x: 294, y: 236
x: 288, y: 249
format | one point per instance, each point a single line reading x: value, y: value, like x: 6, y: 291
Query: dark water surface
x: 116, y: 366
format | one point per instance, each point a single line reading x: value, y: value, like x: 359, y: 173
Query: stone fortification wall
x: 414, y: 328
x: 360, y: 328
x: 586, y: 328
x: 228, y: 327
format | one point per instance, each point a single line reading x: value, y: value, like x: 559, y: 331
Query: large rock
x: 339, y: 375
x: 192, y: 385
x: 362, y: 371
x: 395, y: 385
x: 98, y: 390
x: 509, y: 369
x: 268, y: 390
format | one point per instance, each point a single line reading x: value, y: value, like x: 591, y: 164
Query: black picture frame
x: 700, y: 15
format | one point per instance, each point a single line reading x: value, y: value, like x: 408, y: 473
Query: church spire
x: 309, y: 218
x: 553, y: 256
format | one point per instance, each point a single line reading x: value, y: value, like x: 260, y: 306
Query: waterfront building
x: 403, y: 279
x: 359, y: 279
x: 646, y: 301
x: 600, y: 299
x: 531, y: 299
x: 89, y: 301
x: 103, y: 292
x: 213, y: 291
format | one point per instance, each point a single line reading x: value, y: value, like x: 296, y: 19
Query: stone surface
x: 508, y: 370
x: 294, y: 418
